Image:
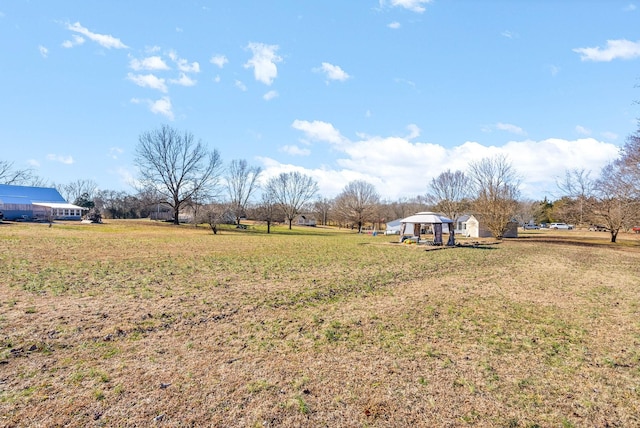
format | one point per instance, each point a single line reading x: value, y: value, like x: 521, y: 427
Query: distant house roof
x: 394, y: 223
x: 29, y: 195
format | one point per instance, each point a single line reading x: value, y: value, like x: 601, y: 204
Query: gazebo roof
x: 426, y: 217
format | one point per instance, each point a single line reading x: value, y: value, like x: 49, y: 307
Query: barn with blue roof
x: 36, y: 204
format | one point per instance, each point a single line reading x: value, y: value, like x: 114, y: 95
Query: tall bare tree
x: 631, y: 155
x: 242, y: 182
x: 578, y: 186
x: 496, y: 189
x: 177, y: 167
x: 358, y: 202
x: 267, y: 209
x: 617, y: 202
x: 449, y: 193
x: 291, y: 191
x: 322, y: 208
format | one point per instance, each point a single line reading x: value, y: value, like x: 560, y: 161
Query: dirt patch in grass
x: 138, y: 323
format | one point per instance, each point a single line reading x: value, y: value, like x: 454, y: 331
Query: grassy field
x: 135, y: 323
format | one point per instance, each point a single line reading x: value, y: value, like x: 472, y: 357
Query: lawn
x: 137, y: 323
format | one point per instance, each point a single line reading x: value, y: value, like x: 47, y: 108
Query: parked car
x: 392, y: 232
x: 529, y: 226
x: 557, y: 226
x: 598, y: 228
x: 636, y: 229
x: 1, y: 215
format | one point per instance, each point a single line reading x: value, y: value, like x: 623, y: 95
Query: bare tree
x: 322, y: 208
x: 578, y: 186
x: 242, y: 182
x: 177, y: 166
x: 358, y: 202
x: 631, y: 156
x: 402, y: 208
x: 616, y: 203
x: 495, y: 184
x: 526, y: 211
x: 212, y: 214
x: 16, y: 176
x: 291, y: 191
x: 267, y: 209
x: 74, y: 190
x: 449, y: 192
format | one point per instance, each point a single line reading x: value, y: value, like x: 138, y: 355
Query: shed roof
x: 10, y: 194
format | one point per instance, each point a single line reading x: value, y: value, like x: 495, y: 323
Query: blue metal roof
x: 27, y: 194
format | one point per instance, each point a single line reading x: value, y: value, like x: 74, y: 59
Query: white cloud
x: 104, y: 40
x: 184, y: 80
x: 33, y: 162
x: 67, y: 160
x: 332, y: 72
x: 148, y: 81
x: 630, y: 7
x: 263, y: 62
x: 582, y: 130
x: 394, y: 25
x: 43, y: 51
x: 409, y: 83
x: 295, y: 151
x: 154, y: 63
x: 623, y: 49
x: 554, y: 70
x: 412, y: 5
x: 610, y: 135
x: 238, y: 84
x: 114, y: 152
x: 510, y: 128
x: 219, y: 60
x: 414, y: 132
x: 217, y: 78
x: 183, y: 64
x: 270, y: 95
x: 75, y: 41
x: 509, y: 34
x: 163, y: 107
x: 399, y: 167
x: 319, y: 131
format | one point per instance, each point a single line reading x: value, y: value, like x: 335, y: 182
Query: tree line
x: 177, y: 173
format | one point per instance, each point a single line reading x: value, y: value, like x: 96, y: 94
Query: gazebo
x: 412, y: 225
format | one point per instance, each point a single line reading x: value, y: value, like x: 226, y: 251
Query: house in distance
x: 29, y: 203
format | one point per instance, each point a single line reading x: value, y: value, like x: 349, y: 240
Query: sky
x: 392, y: 92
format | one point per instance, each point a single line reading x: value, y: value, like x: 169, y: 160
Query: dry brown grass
x: 139, y: 324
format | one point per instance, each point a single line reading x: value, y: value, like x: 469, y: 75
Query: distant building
x: 36, y: 204
x: 474, y: 228
x: 305, y: 220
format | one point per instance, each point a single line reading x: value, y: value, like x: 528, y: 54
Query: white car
x: 561, y: 226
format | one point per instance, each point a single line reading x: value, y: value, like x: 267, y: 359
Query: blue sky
x: 392, y: 92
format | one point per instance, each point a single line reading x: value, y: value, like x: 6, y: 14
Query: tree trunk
x: 176, y: 216
x: 614, y: 236
x: 290, y: 222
